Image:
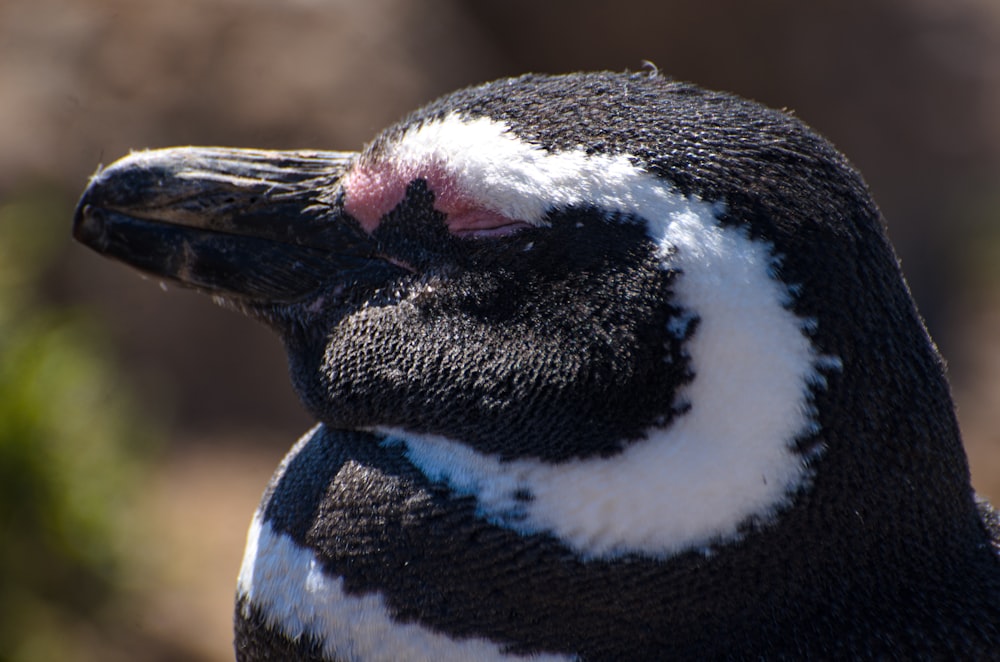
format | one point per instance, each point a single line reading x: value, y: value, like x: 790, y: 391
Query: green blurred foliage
x: 981, y: 251
x: 71, y: 451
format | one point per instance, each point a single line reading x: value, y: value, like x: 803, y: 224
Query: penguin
x: 605, y: 366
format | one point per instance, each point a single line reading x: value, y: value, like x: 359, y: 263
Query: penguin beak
x: 253, y: 225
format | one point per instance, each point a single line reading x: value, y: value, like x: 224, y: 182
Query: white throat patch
x: 730, y: 457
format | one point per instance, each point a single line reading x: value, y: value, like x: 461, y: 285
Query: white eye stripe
x: 487, y: 163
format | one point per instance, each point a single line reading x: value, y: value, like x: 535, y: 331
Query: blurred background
x: 138, y: 427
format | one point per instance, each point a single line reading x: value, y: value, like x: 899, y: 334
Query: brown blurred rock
x: 87, y: 80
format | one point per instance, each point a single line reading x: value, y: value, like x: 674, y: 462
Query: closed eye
x: 476, y: 223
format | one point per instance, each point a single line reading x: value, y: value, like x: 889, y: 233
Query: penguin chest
x: 353, y: 555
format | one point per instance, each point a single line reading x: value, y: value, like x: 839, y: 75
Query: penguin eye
x: 479, y: 223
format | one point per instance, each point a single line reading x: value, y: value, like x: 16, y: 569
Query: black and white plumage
x: 606, y: 367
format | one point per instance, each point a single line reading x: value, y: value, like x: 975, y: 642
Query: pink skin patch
x: 371, y: 192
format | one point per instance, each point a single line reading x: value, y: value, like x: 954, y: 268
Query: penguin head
x: 621, y: 310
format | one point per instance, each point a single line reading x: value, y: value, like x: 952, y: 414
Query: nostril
x: 89, y: 226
